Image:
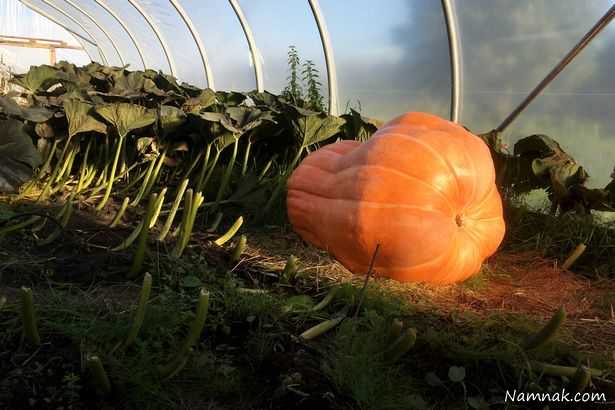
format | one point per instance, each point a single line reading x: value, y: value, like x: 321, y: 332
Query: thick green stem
x: 64, y: 217
x: 137, y: 262
x: 201, y: 178
x: 154, y: 177
x: 15, y: 227
x: 401, y: 346
x: 239, y: 249
x: 145, y: 183
x: 323, y: 327
x: 246, y: 156
x: 84, y: 166
x: 118, y: 216
x: 130, y: 239
x: 43, y: 170
x: 230, y: 233
x: 171, y: 217
x: 326, y: 300
x: 140, y: 314
x: 192, y: 165
x: 67, y: 164
x: 28, y: 319
x: 158, y: 208
x: 547, y: 333
x: 193, y: 335
x: 109, y: 187
x: 290, y: 269
x: 212, y: 167
x: 274, y: 196
x: 56, y: 169
x: 562, y: 371
x: 188, y: 224
x: 265, y: 169
x: 228, y: 172
x: 99, y: 375
x: 216, y: 222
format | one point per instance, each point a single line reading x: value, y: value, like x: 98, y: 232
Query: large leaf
x: 80, y: 119
x: 244, y: 119
x: 316, y: 128
x: 15, y: 143
x: 126, y: 117
x: 34, y: 114
x: 358, y: 127
x: 224, y: 140
x: 37, y: 78
x: 171, y: 118
x: 538, y: 145
x: 205, y: 99
x: 18, y: 156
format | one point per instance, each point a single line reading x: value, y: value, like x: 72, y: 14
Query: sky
x: 391, y: 57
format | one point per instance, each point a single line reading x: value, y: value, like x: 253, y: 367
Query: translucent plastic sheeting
x: 18, y: 20
x: 391, y: 56
x: 278, y: 25
x: 152, y: 50
x: 225, y: 43
x: 60, y: 9
x: 508, y: 48
x: 181, y: 46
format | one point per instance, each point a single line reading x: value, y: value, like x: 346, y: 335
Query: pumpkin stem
x: 459, y: 220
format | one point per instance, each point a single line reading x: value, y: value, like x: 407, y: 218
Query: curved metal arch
x: 209, y: 77
x: 258, y: 68
x: 125, y: 28
x: 329, y: 59
x: 157, y: 32
x: 78, y: 37
x: 101, y: 28
x: 450, y: 17
x: 81, y: 26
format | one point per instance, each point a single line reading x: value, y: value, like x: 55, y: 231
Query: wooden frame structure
x: 43, y: 43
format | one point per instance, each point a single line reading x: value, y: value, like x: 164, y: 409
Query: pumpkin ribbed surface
x: 422, y: 187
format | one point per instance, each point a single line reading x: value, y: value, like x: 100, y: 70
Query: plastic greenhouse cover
x: 391, y: 57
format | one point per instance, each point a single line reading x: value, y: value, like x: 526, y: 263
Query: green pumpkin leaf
x: 18, y: 156
x: 33, y: 114
x: 538, y: 145
x: 171, y: 118
x: 78, y: 114
x: 224, y: 140
x: 126, y: 117
x: 316, y: 128
x: 245, y: 119
x: 44, y: 130
x: 358, y: 127
x: 16, y: 144
x: 204, y: 100
x: 37, y: 78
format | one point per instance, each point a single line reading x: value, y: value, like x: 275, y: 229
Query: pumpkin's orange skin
x: 422, y: 187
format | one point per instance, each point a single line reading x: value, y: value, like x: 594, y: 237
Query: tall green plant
x: 293, y: 90
x: 311, y: 79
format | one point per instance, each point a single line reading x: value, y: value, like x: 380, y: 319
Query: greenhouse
x: 300, y: 204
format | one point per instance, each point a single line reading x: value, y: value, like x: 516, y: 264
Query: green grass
x: 249, y: 355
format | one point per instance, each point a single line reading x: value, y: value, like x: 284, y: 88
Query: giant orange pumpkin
x: 422, y: 187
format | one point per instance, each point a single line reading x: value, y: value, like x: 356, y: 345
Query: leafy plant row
x: 113, y: 139
x: 539, y: 162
